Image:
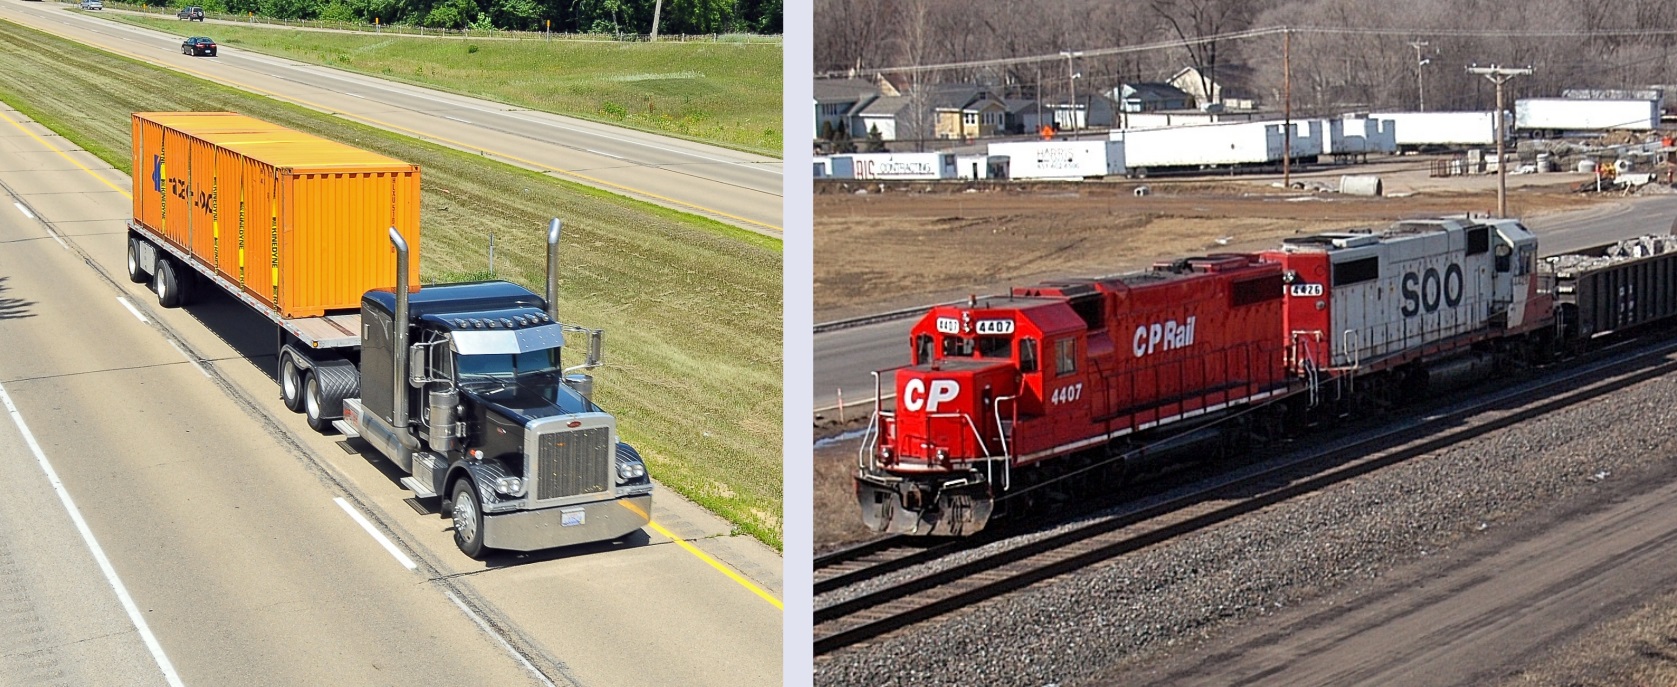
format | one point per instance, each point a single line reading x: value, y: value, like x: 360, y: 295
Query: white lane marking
x: 457, y: 119
x: 24, y: 210
x: 486, y: 630
x: 93, y: 545
x: 189, y: 358
x: 596, y: 152
x: 352, y: 95
x: 55, y: 237
x: 131, y: 308
x: 377, y: 535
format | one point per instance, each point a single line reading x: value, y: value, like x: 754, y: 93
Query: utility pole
x: 1071, y: 80
x: 1420, y: 83
x: 1287, y: 108
x: 1500, y: 75
x: 657, y: 8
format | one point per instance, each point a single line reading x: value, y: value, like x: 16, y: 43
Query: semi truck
x: 463, y: 387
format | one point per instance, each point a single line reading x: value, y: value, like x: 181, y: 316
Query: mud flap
x: 921, y: 510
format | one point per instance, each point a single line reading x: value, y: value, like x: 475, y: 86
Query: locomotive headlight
x: 509, y: 486
x: 942, y: 454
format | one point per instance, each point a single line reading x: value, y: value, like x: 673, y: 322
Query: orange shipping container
x: 296, y: 221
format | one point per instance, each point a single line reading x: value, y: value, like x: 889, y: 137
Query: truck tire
x: 468, y: 519
x: 291, y: 383
x: 314, y: 404
x: 136, y: 272
x: 167, y: 282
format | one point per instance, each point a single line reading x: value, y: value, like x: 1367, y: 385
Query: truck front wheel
x: 468, y: 520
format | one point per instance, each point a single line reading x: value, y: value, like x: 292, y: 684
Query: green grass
x: 691, y: 306
x: 727, y: 94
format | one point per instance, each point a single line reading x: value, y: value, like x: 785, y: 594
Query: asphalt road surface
x: 845, y: 358
x: 236, y: 534
x: 734, y: 187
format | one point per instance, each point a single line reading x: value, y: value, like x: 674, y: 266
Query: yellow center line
x: 712, y: 562
x: 458, y: 144
x: 66, y: 156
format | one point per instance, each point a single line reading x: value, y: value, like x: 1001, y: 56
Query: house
x: 837, y: 100
x: 1227, y: 89
x: 887, y: 113
x: 1150, y: 97
x: 964, y: 111
x: 1026, y: 115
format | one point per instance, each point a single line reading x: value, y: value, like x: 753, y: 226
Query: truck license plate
x: 571, y: 517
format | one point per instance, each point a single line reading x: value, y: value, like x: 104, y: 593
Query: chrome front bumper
x: 532, y: 530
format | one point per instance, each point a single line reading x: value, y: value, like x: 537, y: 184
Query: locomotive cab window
x: 995, y: 347
x: 1027, y: 355
x: 1503, y: 252
x: 957, y: 347
x: 1065, y: 357
x: 1478, y: 240
x: 922, y: 349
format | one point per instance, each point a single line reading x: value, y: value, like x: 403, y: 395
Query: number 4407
x: 1067, y: 394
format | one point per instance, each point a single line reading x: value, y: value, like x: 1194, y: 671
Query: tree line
x: 1345, y: 55
x: 614, y: 17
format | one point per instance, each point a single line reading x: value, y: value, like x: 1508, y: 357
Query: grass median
x: 691, y: 306
x: 727, y: 94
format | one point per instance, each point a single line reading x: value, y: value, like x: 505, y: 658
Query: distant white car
x: 93, y: 5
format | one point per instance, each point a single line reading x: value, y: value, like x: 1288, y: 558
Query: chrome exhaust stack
x: 582, y: 383
x: 553, y: 269
x: 399, y: 341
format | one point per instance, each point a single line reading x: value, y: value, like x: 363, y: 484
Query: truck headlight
x: 509, y: 486
x: 630, y: 471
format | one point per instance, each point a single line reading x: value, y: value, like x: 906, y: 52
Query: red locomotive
x: 1010, y: 391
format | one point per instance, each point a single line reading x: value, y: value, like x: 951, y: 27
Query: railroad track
x: 922, y: 597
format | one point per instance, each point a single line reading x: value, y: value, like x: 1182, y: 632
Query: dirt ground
x: 910, y: 245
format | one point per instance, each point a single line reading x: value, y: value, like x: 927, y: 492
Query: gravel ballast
x: 1106, y: 623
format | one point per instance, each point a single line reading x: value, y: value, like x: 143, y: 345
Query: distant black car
x: 198, y: 45
x: 191, y: 14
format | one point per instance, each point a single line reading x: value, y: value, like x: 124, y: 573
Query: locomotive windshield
x: 977, y: 346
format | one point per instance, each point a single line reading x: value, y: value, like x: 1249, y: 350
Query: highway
x: 734, y: 187
x: 845, y: 358
x: 240, y: 547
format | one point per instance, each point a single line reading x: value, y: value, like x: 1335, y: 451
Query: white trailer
x: 1353, y: 136
x: 1217, y: 145
x: 893, y: 166
x: 1575, y: 114
x: 1416, y: 130
x: 823, y: 167
x: 1061, y: 159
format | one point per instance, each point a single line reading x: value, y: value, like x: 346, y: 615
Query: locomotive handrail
x: 1001, y: 433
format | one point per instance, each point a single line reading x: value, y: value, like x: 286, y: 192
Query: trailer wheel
x: 166, y: 283
x: 136, y: 272
x: 291, y: 383
x: 468, y: 520
x: 314, y: 403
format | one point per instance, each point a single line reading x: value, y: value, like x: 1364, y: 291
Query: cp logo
x: 916, y: 395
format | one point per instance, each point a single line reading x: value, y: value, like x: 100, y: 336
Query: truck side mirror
x: 417, y: 369
x: 596, y: 347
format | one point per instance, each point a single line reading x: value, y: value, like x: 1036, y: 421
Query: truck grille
x: 574, y: 463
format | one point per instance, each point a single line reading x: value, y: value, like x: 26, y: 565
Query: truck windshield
x: 506, y: 368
